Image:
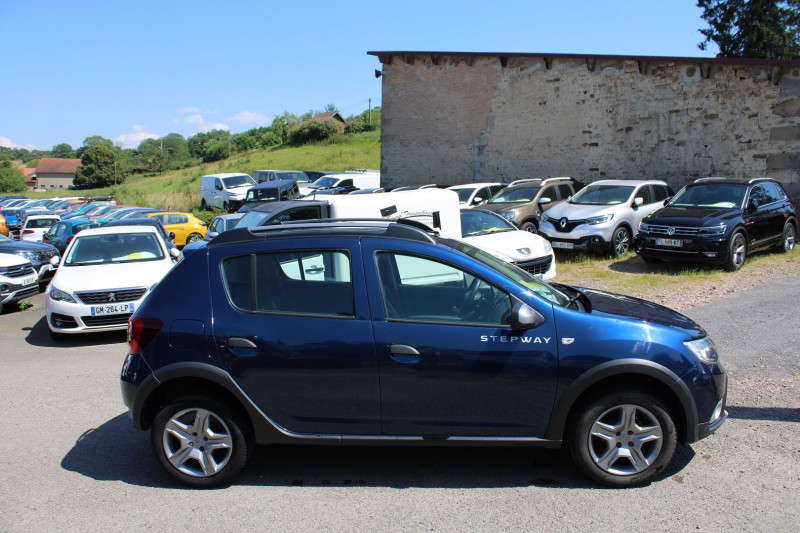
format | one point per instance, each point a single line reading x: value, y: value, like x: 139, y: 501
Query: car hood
x: 111, y: 276
x: 511, y: 245
x: 503, y: 207
x: 618, y: 305
x: 691, y: 216
x: 12, y: 247
x: 582, y: 212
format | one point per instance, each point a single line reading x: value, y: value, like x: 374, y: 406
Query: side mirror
x: 544, y: 200
x: 525, y: 317
x: 477, y: 200
x: 174, y: 253
x: 171, y: 235
x: 638, y: 201
x: 55, y: 260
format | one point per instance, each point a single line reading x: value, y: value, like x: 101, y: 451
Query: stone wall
x: 449, y: 118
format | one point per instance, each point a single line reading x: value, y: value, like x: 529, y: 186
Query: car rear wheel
x: 225, y: 207
x: 193, y: 238
x: 789, y: 238
x: 200, y: 441
x: 530, y: 227
x: 623, y: 439
x: 204, y: 205
x: 621, y: 241
x: 737, y: 251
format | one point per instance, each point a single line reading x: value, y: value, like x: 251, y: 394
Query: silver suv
x: 604, y: 215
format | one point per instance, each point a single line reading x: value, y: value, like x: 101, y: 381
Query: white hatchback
x: 103, y: 277
x: 494, y: 234
x: 36, y: 225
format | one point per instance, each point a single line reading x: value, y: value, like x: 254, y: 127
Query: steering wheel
x: 469, y: 298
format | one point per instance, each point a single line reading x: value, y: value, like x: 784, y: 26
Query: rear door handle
x: 239, y: 342
x: 404, y: 354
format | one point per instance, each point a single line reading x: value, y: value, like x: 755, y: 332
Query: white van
x: 225, y: 191
x: 352, y: 179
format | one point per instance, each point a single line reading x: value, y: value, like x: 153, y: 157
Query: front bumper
x: 583, y: 237
x: 13, y: 293
x: 711, y: 250
x: 69, y: 318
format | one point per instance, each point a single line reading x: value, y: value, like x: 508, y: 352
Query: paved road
x: 72, y: 462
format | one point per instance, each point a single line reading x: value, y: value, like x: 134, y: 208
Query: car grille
x: 30, y: 291
x: 678, y: 231
x: 537, y: 266
x: 571, y: 225
x: 19, y: 271
x: 106, y: 320
x: 112, y: 295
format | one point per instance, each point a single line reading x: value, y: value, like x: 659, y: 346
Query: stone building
x: 54, y: 173
x: 462, y: 117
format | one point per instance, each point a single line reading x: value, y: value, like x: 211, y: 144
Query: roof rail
x: 754, y: 180
x: 710, y: 178
x: 542, y: 180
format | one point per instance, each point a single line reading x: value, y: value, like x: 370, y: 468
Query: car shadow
x: 116, y: 451
x: 774, y: 414
x: 39, y: 335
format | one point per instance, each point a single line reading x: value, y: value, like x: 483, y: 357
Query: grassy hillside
x: 180, y: 190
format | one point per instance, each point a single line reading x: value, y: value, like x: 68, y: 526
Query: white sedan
x: 494, y: 234
x: 103, y: 276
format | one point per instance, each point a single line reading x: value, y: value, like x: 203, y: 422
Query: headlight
x: 704, y: 349
x: 507, y: 216
x: 30, y: 256
x: 60, y: 296
x: 545, y: 218
x: 712, y: 231
x: 547, y: 247
x: 643, y: 227
x: 599, y: 220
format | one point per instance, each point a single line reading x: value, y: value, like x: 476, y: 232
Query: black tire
x: 193, y: 238
x: 530, y: 227
x: 636, y: 424
x: 620, y: 241
x: 737, y: 252
x: 204, y: 205
x: 788, y: 238
x: 225, y: 207
x: 180, y: 435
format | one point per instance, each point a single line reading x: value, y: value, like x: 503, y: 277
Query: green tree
x: 98, y: 168
x: 764, y: 29
x: 214, y: 150
x: 94, y: 140
x: 63, y: 151
x: 316, y: 130
x: 11, y: 178
x: 283, y: 125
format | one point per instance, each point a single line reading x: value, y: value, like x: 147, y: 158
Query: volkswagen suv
x: 378, y: 332
x: 720, y: 221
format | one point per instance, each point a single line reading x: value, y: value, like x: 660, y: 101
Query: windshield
x: 238, y: 181
x: 602, y: 195
x: 251, y: 219
x: 710, y: 196
x: 475, y: 223
x: 516, y: 274
x: 114, y: 248
x: 262, y: 195
x: 296, y: 175
x: 512, y: 194
x: 325, y: 182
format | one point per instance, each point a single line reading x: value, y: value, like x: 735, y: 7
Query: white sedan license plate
x: 669, y: 242
x: 565, y: 245
x: 111, y: 309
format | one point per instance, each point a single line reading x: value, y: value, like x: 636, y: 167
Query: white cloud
x: 189, y: 110
x: 203, y: 124
x: 6, y: 142
x: 250, y: 117
x: 132, y: 140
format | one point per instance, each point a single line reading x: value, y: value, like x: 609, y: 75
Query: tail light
x: 69, y: 239
x: 27, y: 232
x: 141, y: 330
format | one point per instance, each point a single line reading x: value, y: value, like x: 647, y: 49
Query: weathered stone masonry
x: 460, y: 117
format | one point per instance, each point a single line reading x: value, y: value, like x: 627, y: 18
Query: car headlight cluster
x: 704, y: 349
x: 643, y: 227
x: 60, y: 296
x: 508, y: 216
x: 712, y: 231
x: 593, y: 221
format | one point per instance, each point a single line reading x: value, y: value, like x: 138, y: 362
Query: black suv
x: 349, y: 332
x: 720, y: 221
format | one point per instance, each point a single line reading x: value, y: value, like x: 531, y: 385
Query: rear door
x: 292, y: 327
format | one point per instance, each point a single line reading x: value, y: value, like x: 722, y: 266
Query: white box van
x: 226, y: 191
x: 359, y: 179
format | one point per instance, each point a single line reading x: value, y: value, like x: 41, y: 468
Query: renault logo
x: 112, y: 297
x: 563, y: 223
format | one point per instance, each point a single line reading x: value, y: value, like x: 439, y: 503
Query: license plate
x: 111, y: 309
x: 30, y: 280
x: 669, y: 242
x: 565, y: 245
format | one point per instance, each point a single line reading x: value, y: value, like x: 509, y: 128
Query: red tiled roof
x: 53, y: 165
x: 332, y: 114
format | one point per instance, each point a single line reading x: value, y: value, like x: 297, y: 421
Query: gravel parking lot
x: 73, y: 462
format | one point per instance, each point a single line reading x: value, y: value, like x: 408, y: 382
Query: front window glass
x: 305, y: 282
x: 475, y: 223
x: 602, y: 195
x: 114, y: 248
x: 297, y: 176
x: 710, y: 196
x: 510, y: 195
x: 325, y: 182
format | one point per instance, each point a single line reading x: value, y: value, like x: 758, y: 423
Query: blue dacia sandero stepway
x: 382, y: 332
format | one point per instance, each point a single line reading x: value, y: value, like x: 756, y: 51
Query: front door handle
x: 238, y: 342
x: 404, y: 354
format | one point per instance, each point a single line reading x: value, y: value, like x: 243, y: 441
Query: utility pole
x: 229, y: 144
x: 369, y: 113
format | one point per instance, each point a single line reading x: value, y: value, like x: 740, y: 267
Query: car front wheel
x: 200, y: 441
x: 621, y: 241
x: 623, y: 439
x: 530, y: 227
x: 193, y: 238
x: 737, y: 251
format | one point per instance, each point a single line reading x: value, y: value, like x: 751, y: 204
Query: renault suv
x: 384, y: 333
x: 604, y: 215
x: 720, y: 221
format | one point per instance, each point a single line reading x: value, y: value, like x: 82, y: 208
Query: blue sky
x: 131, y: 70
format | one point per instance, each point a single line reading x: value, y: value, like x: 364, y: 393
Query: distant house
x: 330, y: 114
x: 30, y: 177
x: 54, y: 173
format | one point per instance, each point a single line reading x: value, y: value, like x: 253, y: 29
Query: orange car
x: 3, y: 226
x: 187, y: 227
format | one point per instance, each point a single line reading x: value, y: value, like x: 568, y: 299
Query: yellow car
x: 3, y: 226
x: 187, y: 227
